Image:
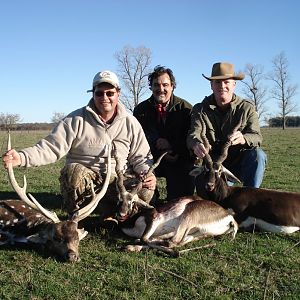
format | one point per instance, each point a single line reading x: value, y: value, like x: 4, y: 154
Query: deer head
x: 129, y: 201
x: 62, y: 237
x: 212, y: 173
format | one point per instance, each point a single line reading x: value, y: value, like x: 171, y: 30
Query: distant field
x: 253, y: 266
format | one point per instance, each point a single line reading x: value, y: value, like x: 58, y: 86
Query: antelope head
x: 212, y: 173
x: 61, y: 237
x: 129, y: 201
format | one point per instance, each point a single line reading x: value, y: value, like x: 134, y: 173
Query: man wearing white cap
x: 221, y: 112
x: 83, y: 137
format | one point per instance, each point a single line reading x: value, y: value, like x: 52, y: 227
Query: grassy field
x: 253, y: 266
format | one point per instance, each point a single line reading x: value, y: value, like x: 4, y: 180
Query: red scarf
x: 161, y: 112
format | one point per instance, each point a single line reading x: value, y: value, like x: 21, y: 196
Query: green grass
x: 253, y: 266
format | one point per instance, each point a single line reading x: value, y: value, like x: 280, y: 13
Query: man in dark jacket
x: 165, y: 119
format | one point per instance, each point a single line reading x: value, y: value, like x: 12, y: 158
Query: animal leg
x: 233, y: 228
x: 167, y: 250
x: 149, y: 230
x: 152, y: 245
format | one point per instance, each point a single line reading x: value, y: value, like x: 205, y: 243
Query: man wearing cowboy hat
x: 221, y: 113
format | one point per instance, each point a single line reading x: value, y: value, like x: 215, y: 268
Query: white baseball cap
x: 105, y: 77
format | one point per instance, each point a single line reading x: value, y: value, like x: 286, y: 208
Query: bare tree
x: 282, y: 91
x: 133, y: 69
x: 57, y: 116
x: 254, y: 90
x: 7, y: 121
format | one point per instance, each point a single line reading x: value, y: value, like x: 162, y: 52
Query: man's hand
x: 163, y: 144
x: 149, y: 182
x: 200, y: 150
x: 11, y: 156
x: 237, y: 138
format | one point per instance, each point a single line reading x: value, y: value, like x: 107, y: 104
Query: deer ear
x: 82, y: 233
x: 197, y: 171
x: 140, y: 203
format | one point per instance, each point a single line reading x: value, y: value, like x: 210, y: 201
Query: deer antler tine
x: 33, y: 203
x: 49, y: 214
x: 151, y: 169
x: 88, y: 209
x: 207, y: 157
x: 8, y: 141
x: 203, y: 134
x: 120, y: 176
x: 155, y: 165
x: 225, y: 148
x: 224, y: 153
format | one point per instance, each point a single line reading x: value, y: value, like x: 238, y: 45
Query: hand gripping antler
x: 151, y: 169
x: 21, y: 191
x: 120, y: 176
x: 89, y: 208
x: 134, y: 191
x: 224, y: 153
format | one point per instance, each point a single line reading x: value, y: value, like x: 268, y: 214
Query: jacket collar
x: 173, y: 101
x: 211, y: 101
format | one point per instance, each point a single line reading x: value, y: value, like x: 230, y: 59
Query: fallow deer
x: 266, y: 209
x: 27, y: 221
x: 171, y: 224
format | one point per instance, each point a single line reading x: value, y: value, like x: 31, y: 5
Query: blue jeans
x: 251, y: 167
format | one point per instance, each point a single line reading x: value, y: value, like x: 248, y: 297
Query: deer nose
x: 209, y: 186
x: 71, y: 256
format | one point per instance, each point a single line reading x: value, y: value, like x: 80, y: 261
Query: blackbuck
x: 27, y: 221
x: 265, y: 209
x: 170, y: 224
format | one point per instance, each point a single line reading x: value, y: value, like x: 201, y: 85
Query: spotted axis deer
x: 171, y: 224
x: 266, y: 209
x: 27, y: 221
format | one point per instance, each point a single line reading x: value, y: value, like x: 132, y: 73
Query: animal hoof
x: 133, y: 248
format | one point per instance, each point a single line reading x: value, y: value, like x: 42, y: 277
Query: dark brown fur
x: 274, y: 207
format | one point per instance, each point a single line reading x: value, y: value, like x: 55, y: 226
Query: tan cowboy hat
x: 223, y: 70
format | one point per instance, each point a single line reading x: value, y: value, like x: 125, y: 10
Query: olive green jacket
x: 220, y: 124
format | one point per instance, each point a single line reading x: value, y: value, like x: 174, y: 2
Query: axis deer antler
x: 21, y: 191
x: 62, y: 237
x: 89, y: 208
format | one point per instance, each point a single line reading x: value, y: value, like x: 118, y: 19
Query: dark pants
x: 178, y: 181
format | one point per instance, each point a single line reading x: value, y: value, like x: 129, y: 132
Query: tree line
x: 14, y: 122
x: 134, y: 65
x: 291, y: 121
